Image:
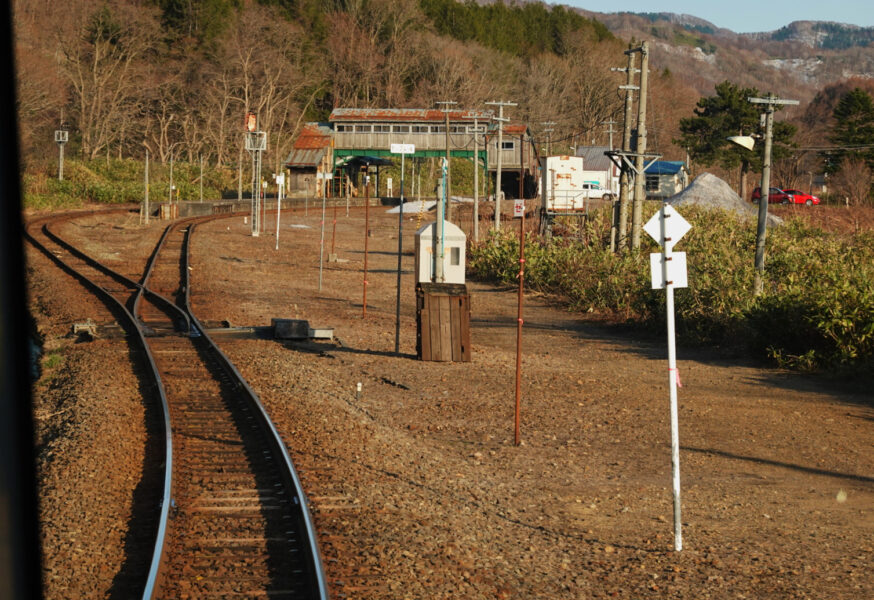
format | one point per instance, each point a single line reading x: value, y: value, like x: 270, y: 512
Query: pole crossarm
x: 618, y: 157
x: 772, y: 101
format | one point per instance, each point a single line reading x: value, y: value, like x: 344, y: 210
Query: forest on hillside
x: 176, y: 77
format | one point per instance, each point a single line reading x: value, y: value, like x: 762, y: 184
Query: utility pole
x: 548, y: 131
x: 448, y: 104
x: 498, y: 192
x: 640, y: 177
x: 521, y: 166
x: 761, y: 231
x: 609, y: 125
x: 146, y: 199
x: 201, y: 177
x: 475, y: 180
x: 620, y: 223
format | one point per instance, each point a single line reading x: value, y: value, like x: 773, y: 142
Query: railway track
x: 231, y: 518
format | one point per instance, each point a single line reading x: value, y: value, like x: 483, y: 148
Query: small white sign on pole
x: 675, y: 271
x: 403, y: 148
x: 518, y: 208
x: 668, y: 271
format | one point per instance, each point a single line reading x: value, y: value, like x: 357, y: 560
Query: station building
x: 357, y: 138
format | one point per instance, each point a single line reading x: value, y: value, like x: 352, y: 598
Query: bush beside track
x: 817, y: 311
x: 120, y: 181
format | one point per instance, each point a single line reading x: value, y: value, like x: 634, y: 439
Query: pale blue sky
x: 745, y: 15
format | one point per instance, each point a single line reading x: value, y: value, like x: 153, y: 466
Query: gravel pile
x: 710, y: 192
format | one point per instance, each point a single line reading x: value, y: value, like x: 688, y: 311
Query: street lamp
x: 748, y: 142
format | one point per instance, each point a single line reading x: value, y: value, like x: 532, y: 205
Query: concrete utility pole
x: 609, y: 125
x: 548, y: 131
x: 640, y: 177
x: 498, y: 192
x: 620, y: 222
x: 448, y: 104
x: 761, y: 231
x: 475, y: 179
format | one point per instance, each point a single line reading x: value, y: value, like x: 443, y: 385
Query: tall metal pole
x: 366, y: 236
x: 60, y: 162
x: 640, y: 177
x: 201, y: 177
x: 475, y: 180
x: 400, y: 253
x: 447, y: 107
x: 439, y: 253
x: 280, y: 183
x: 171, y: 177
x: 146, y: 199
x: 322, y: 244
x: 521, y: 166
x: 673, y: 376
x: 624, y: 183
x: 517, y: 436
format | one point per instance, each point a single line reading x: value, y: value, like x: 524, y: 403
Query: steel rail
x: 131, y: 324
x: 123, y: 279
x: 147, y: 274
x: 133, y: 329
x: 317, y: 577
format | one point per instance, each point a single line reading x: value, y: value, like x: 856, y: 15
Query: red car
x: 802, y: 198
x: 775, y: 196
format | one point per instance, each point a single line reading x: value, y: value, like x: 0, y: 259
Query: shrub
x: 817, y: 310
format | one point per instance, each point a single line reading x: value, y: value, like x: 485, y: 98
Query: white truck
x: 566, y: 186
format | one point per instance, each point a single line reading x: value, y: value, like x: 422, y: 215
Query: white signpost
x: 280, y: 185
x: 668, y: 271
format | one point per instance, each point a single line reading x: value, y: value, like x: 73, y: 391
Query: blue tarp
x: 665, y: 167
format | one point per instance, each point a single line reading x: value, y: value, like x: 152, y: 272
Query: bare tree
x: 100, y: 66
x: 853, y: 183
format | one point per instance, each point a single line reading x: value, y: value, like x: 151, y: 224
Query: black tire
x: 785, y: 201
x: 809, y: 202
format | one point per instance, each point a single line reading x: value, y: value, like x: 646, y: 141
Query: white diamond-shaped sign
x: 667, y: 223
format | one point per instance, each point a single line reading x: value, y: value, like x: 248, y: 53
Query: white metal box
x: 454, y: 248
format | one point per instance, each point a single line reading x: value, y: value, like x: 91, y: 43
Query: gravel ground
x: 419, y: 492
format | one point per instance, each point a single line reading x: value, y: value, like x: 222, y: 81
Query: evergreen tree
x: 726, y: 114
x: 854, y: 126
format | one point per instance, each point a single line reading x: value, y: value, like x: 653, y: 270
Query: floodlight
x: 747, y: 141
